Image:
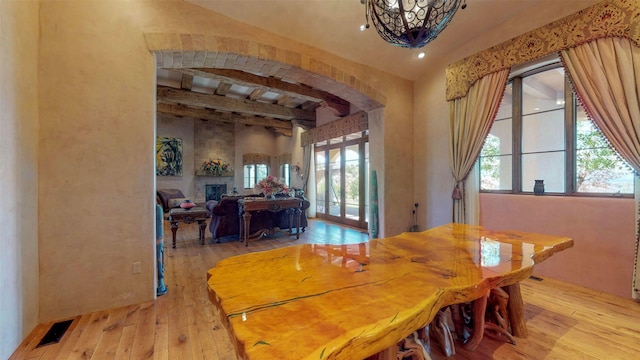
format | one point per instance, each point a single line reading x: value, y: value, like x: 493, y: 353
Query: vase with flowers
x: 271, y: 185
x: 217, y: 167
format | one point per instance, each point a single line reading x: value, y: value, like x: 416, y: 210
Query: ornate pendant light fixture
x: 410, y: 23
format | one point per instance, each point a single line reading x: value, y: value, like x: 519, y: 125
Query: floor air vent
x: 535, y: 278
x: 55, y: 333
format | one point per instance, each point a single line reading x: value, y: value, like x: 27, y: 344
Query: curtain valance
x: 255, y: 158
x: 345, y: 126
x: 609, y: 18
x: 284, y: 158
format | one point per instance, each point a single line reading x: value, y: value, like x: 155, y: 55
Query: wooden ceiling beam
x: 204, y: 114
x: 285, y: 100
x: 223, y: 88
x: 304, y: 92
x: 187, y: 82
x: 222, y: 103
x: 284, y: 132
x: 256, y: 94
x: 310, y: 106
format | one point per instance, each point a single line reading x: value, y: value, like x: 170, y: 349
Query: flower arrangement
x: 216, y: 167
x: 272, y: 185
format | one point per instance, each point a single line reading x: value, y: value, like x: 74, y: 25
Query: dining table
x: 353, y: 301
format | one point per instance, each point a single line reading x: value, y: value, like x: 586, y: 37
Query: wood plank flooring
x: 564, y: 321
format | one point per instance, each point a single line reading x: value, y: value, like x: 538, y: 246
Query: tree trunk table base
x: 498, y: 314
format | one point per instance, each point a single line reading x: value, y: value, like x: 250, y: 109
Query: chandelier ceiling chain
x: 410, y: 23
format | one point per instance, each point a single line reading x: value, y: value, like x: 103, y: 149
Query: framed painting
x: 168, y: 156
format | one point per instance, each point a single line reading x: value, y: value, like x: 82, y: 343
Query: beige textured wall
x: 602, y: 230
x: 395, y: 173
x: 97, y: 105
x: 97, y: 110
x: 18, y: 172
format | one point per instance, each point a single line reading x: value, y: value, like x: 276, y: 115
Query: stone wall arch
x: 209, y: 51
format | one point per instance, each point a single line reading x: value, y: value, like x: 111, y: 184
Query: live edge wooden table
x: 291, y: 205
x: 353, y: 301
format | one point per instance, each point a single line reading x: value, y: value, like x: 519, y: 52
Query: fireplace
x: 214, y: 191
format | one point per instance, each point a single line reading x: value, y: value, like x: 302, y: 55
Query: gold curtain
x: 606, y: 76
x: 470, y: 119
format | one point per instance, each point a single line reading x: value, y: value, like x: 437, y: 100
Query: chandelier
x: 410, y: 23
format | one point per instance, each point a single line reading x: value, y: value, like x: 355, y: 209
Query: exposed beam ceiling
x: 283, y: 127
x: 273, y: 85
x: 169, y: 95
x: 233, y: 96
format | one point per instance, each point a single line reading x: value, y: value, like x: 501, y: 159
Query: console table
x: 354, y: 301
x: 247, y: 206
x: 189, y: 216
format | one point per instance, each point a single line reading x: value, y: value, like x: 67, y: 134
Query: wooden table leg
x: 515, y: 308
x: 298, y: 212
x: 290, y: 212
x: 246, y: 219
x: 241, y: 223
x: 203, y: 227
x: 174, y: 229
x: 479, y: 309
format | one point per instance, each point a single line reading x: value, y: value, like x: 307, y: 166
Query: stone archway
x: 175, y: 51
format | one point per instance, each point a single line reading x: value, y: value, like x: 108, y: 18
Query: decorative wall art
x: 168, y: 156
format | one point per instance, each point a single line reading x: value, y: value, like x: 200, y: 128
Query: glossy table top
x: 351, y: 301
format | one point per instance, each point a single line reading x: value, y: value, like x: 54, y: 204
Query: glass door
x: 334, y: 192
x: 341, y: 179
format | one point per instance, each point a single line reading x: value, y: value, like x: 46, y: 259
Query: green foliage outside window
x: 490, y: 163
x: 598, y: 166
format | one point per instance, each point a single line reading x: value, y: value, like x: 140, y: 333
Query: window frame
x: 255, y: 174
x: 285, y: 173
x: 570, y: 127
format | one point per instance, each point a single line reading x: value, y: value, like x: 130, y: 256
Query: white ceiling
x: 333, y: 26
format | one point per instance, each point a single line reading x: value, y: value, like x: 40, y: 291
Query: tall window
x: 254, y: 173
x: 497, y: 153
x: 285, y: 173
x: 542, y: 133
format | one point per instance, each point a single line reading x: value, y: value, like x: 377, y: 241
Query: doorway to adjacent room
x: 342, y: 168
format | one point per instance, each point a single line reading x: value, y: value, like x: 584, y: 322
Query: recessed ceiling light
x: 420, y: 54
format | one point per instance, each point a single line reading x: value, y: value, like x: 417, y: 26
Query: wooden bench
x: 188, y: 216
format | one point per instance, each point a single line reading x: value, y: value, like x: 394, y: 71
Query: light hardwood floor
x: 564, y: 321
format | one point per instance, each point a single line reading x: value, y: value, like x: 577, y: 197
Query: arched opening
x: 278, y: 65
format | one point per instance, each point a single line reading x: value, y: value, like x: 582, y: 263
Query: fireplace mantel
x: 204, y: 174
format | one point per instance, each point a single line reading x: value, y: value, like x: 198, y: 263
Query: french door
x: 342, y: 168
